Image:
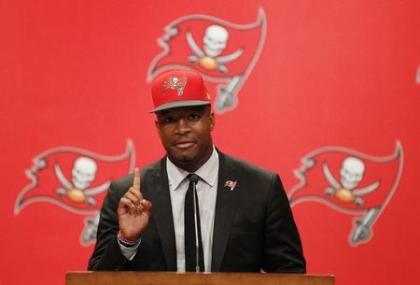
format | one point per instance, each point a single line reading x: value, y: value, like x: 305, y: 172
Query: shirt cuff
x: 128, y: 248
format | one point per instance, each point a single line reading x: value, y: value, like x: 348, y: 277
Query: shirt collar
x: 207, y: 172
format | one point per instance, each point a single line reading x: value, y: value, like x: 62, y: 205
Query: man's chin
x: 182, y: 158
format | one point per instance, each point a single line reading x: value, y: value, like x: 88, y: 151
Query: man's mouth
x: 184, y: 144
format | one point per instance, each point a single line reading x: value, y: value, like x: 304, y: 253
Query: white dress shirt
x: 206, y: 193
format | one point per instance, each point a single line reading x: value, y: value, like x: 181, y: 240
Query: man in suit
x: 197, y: 209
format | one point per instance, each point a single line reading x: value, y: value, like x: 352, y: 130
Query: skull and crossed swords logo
x: 83, y: 174
x: 351, y: 174
x: 215, y: 41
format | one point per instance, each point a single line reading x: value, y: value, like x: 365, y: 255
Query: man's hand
x: 133, y: 211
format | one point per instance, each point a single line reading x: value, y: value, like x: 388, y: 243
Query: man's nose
x: 182, y: 126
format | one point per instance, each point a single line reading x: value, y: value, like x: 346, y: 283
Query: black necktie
x: 190, y: 225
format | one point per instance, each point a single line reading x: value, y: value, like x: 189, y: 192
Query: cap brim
x: 179, y: 104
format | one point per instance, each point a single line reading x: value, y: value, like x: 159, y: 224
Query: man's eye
x: 168, y: 120
x: 194, y: 117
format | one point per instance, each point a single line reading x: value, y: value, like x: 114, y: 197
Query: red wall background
x: 331, y: 79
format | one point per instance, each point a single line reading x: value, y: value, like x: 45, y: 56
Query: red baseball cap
x: 179, y: 88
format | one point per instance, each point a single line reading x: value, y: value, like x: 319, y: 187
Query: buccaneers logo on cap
x: 75, y: 180
x: 175, y: 83
x: 350, y: 182
x: 223, y: 52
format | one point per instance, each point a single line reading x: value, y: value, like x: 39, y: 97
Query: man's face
x: 186, y: 135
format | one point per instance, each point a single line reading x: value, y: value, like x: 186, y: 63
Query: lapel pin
x: 231, y: 184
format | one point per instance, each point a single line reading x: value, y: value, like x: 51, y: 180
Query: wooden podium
x: 169, y: 278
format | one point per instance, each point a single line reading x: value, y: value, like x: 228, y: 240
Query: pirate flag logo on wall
x: 223, y: 52
x: 75, y: 180
x: 350, y: 182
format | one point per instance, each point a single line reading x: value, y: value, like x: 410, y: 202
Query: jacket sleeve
x: 282, y: 245
x: 107, y: 254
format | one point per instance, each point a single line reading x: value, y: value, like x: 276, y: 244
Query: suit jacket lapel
x: 162, y: 216
x: 225, y: 210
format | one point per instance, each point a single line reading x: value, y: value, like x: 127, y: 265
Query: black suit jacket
x: 253, y: 228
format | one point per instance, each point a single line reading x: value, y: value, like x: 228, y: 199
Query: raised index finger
x: 136, y: 180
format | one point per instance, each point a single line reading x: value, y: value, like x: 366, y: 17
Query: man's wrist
x: 127, y: 242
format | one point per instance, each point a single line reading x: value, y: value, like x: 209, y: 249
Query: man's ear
x: 212, y: 120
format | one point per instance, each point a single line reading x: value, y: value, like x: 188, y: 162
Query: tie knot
x: 193, y: 178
